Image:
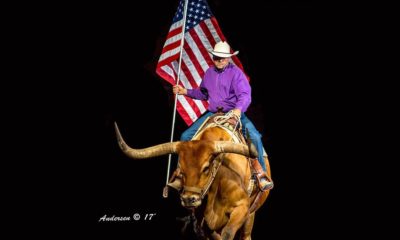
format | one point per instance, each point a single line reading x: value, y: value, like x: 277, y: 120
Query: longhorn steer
x: 216, y: 170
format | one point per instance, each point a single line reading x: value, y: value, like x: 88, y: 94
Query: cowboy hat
x: 222, y: 49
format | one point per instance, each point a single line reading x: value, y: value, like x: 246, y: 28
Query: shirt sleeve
x: 242, y: 90
x: 196, y: 94
x: 200, y: 93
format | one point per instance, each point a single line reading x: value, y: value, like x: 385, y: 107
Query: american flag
x: 202, y: 32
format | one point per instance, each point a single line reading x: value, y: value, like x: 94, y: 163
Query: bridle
x: 214, y: 169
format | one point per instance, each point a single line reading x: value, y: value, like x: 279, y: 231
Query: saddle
x: 231, y: 124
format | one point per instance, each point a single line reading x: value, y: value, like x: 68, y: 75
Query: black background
x: 102, y: 59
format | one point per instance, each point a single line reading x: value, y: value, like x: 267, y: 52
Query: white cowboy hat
x: 222, y: 49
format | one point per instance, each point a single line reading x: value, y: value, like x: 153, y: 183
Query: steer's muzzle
x: 190, y: 200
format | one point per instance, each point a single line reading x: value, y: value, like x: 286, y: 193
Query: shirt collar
x: 229, y: 65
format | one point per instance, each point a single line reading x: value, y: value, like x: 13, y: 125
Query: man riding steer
x: 214, y: 171
x: 226, y: 88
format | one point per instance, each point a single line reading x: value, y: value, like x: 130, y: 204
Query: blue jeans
x: 254, y: 135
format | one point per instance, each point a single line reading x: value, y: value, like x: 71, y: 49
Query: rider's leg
x: 255, y: 138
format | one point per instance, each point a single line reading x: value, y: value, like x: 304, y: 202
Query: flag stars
x: 197, y: 11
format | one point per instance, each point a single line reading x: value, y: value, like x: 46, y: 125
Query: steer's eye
x: 206, y: 170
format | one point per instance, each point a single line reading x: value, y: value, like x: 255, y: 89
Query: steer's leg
x: 236, y: 220
x: 216, y: 236
x: 247, y: 228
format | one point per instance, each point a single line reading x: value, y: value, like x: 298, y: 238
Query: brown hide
x: 227, y: 204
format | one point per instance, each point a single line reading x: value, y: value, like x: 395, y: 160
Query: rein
x: 214, y: 170
x: 221, y: 121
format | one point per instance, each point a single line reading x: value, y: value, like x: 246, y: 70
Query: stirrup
x: 264, y: 184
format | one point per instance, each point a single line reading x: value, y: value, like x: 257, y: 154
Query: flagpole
x: 165, y: 191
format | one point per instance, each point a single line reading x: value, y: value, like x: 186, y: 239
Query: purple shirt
x: 228, y: 89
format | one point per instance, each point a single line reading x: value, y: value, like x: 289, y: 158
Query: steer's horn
x: 229, y: 147
x: 154, y: 151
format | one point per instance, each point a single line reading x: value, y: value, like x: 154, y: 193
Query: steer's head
x: 196, y: 160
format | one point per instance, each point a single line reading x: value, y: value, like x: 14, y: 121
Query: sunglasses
x: 216, y: 58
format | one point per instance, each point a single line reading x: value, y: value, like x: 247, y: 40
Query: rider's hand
x: 237, y: 112
x: 177, y: 89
